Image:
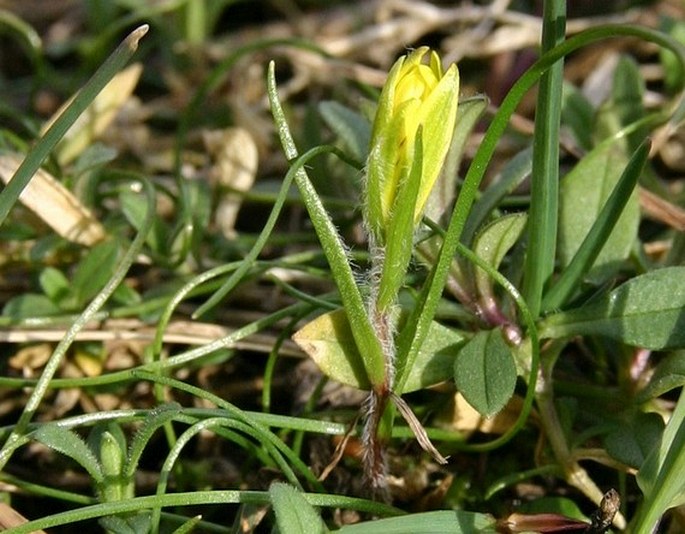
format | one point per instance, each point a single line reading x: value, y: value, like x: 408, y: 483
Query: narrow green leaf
x: 485, y: 373
x: 444, y: 522
x: 608, y: 219
x: 331, y: 243
x: 82, y: 100
x: 491, y: 245
x: 189, y: 526
x: 584, y: 192
x: 328, y: 341
x: 294, y: 515
x: 660, y: 477
x: 93, y: 271
x: 134, y: 524
x: 70, y: 444
x: 646, y: 311
x: 352, y: 128
x: 400, y: 232
x: 155, y: 419
x: 668, y: 375
x: 544, y: 194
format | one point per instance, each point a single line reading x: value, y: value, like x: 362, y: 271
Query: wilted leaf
x: 328, y: 341
x: 55, y: 204
x: 235, y: 158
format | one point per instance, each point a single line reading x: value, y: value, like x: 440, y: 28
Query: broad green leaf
x: 646, y: 311
x: 668, y: 375
x: 54, y: 284
x: 70, y: 444
x: 95, y: 156
x: 627, y: 98
x: 444, y: 522
x: 352, y: 128
x: 631, y: 441
x: 485, y: 373
x: 571, y: 278
x: 328, y: 341
x: 553, y: 505
x: 583, y: 193
x: 492, y: 243
x: 514, y: 172
x: 578, y: 114
x: 294, y: 515
x: 30, y: 305
x: 93, y: 271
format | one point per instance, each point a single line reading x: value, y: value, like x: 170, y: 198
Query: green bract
x: 416, y: 97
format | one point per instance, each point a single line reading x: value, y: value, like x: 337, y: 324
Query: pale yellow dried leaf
x: 97, y: 117
x: 9, y: 518
x: 31, y: 357
x: 55, y: 204
x: 234, y: 168
x: 460, y: 416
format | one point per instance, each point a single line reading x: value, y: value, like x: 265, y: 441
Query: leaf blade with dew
x: 364, y: 335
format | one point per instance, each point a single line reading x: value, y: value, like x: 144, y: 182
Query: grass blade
x: 542, y: 225
x: 83, y: 99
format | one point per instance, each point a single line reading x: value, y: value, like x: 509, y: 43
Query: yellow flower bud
x: 411, y: 135
x: 415, y: 96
